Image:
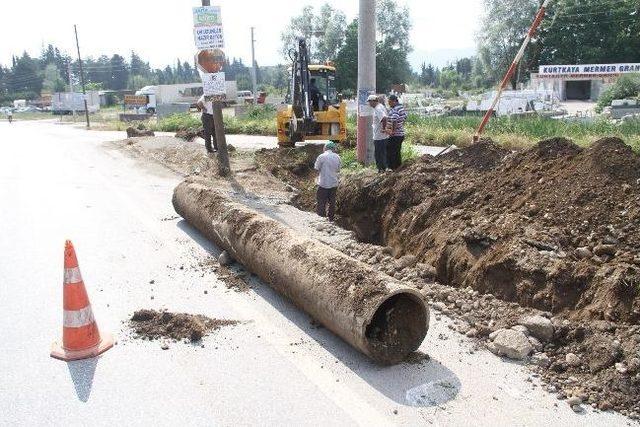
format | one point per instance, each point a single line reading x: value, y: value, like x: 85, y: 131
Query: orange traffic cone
x: 80, y: 336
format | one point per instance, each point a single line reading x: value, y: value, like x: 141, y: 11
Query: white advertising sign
x: 214, y: 85
x: 208, y: 37
x: 589, y: 70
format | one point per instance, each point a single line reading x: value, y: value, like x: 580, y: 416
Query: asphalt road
x: 59, y: 182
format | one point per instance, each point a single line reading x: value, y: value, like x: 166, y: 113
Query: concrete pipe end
x: 397, y: 327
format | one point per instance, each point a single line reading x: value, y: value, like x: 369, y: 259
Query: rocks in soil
x: 539, y: 326
x: 553, y: 227
x: 190, y: 134
x: 407, y: 261
x: 583, y: 253
x: 573, y: 360
x: 135, y: 133
x: 510, y: 343
x: 541, y: 359
x: 225, y: 259
x: 603, y: 353
x: 152, y: 324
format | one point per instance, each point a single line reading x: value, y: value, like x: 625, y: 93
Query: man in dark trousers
x: 328, y: 164
x: 207, y: 123
x: 380, y: 135
x: 397, y: 117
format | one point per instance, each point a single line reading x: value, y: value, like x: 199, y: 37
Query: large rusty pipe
x: 370, y: 310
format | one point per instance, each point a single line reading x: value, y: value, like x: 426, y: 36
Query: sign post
x: 209, y: 41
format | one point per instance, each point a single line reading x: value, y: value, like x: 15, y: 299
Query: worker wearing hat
x: 328, y: 166
x: 380, y: 137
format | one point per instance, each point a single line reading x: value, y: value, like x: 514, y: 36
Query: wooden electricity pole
x: 224, y: 169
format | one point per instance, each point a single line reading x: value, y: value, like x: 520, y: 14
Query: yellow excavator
x: 313, y: 110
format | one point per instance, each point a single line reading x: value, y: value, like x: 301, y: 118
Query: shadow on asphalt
x: 425, y: 383
x: 82, y: 373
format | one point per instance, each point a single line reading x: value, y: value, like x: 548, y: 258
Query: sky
x: 161, y: 31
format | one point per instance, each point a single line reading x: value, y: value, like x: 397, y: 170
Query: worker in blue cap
x: 328, y: 166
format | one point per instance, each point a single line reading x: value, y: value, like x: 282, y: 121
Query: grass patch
x: 516, y: 132
x: 512, y: 133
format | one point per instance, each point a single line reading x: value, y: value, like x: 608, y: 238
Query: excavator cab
x: 313, y: 110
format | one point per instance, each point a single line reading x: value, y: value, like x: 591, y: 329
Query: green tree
x: 119, y: 73
x: 137, y: 82
x: 591, y: 31
x: 347, y: 60
x: 393, y: 46
x: 450, y: 79
x: 95, y: 70
x: 427, y: 75
x: 504, y: 25
x: 324, y: 32
x: 25, y: 77
x: 52, y: 80
x: 138, y: 66
x: 4, y: 83
x: 393, y: 25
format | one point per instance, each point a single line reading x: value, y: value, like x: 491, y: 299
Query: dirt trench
x: 555, y: 227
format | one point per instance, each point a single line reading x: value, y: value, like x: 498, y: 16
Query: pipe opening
x: 397, y: 328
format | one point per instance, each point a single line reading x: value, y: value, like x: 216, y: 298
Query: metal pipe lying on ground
x: 371, y: 311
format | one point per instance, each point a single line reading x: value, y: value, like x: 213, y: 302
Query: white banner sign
x: 208, y: 37
x: 214, y: 85
x: 589, y: 70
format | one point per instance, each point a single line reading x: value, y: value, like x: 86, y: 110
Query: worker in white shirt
x: 328, y: 166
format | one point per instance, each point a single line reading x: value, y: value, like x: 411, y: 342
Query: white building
x: 579, y: 82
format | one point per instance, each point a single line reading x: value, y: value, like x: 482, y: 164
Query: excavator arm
x: 301, y: 102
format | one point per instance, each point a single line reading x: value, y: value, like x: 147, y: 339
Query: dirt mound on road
x: 555, y: 227
x: 190, y: 134
x: 151, y: 324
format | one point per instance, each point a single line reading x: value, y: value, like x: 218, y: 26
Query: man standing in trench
x: 328, y: 164
x: 207, y: 123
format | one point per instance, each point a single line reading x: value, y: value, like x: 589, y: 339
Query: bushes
x: 177, y: 122
x: 257, y: 121
x: 627, y: 86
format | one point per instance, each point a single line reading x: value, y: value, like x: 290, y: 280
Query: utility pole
x: 224, y: 168
x: 254, y: 71
x: 84, y: 91
x: 366, y: 79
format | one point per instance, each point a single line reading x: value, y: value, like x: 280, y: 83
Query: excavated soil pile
x: 185, y: 158
x: 555, y: 227
x: 190, y: 134
x: 151, y: 324
x: 293, y: 166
